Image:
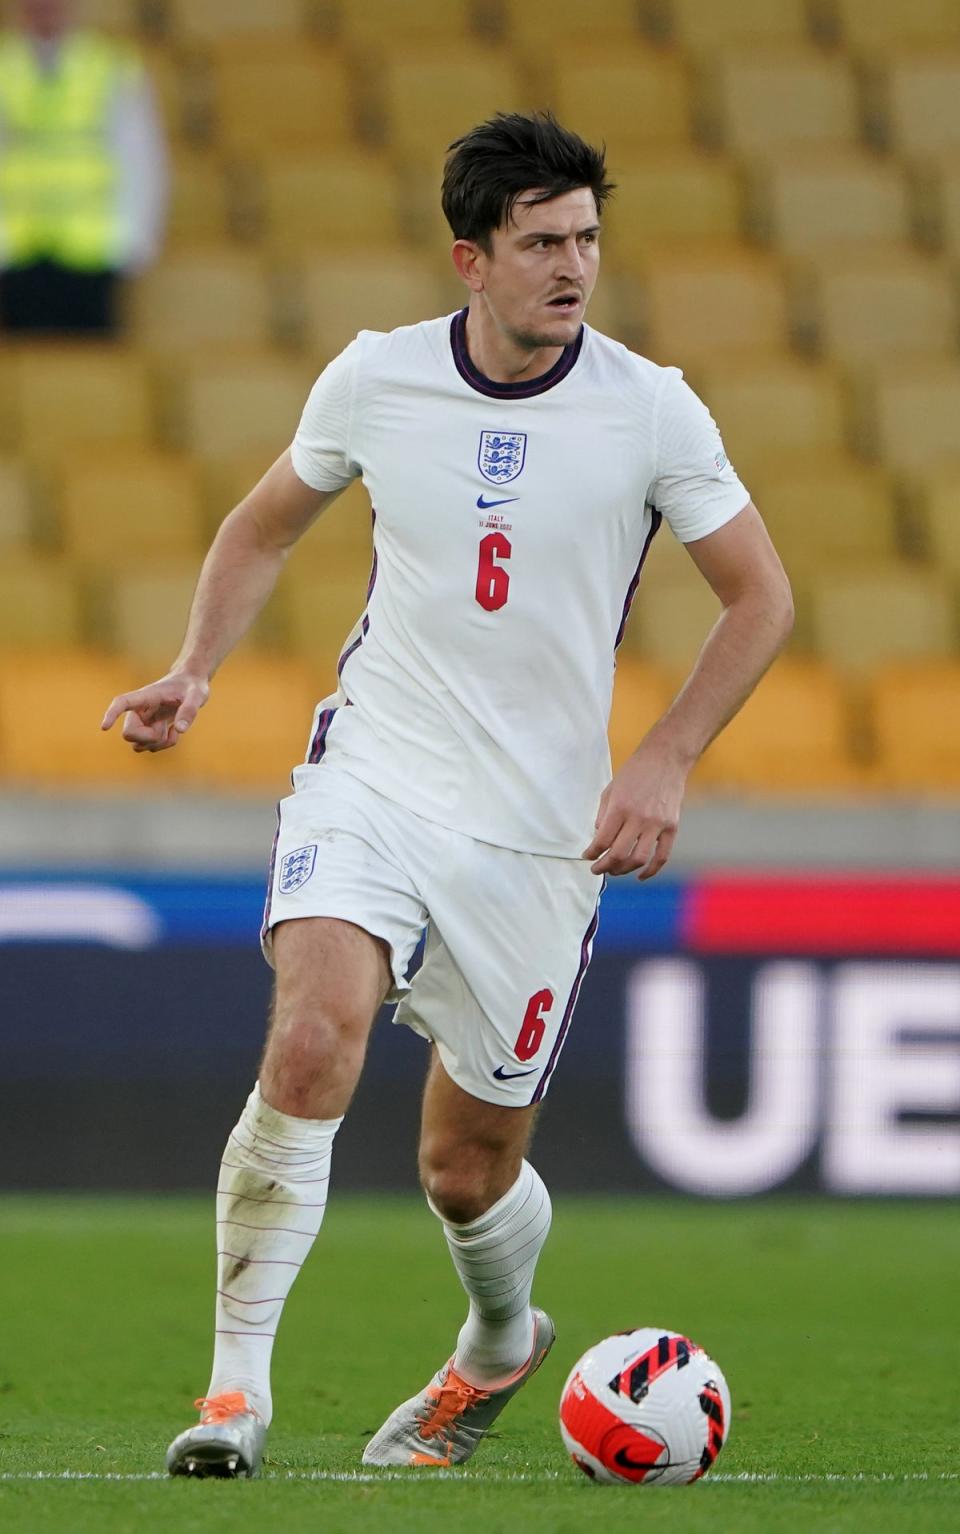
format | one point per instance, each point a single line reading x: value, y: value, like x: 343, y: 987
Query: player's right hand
x: 158, y: 714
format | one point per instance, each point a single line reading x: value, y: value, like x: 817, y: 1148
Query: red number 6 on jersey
x: 493, y: 581
x: 534, y: 1025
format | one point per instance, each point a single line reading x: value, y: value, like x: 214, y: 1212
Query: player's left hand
x: 639, y: 814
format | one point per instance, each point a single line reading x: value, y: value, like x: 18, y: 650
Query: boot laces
x: 221, y: 1408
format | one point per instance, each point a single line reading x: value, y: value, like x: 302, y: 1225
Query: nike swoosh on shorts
x: 503, y: 1075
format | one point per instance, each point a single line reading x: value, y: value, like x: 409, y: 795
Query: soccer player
x: 458, y: 780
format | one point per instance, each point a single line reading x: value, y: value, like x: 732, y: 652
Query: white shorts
x: 508, y: 934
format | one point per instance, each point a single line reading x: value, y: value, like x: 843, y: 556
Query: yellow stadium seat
x: 908, y: 413
x: 631, y: 97
x: 894, y: 613
x: 282, y: 95
x: 915, y: 713
x: 200, y: 199
x: 870, y: 305
x: 32, y: 749
x: 826, y: 513
x: 145, y: 610
x: 125, y: 506
x: 16, y: 507
x: 780, y: 412
x: 705, y: 24
x: 343, y: 530
x: 344, y: 294
x: 641, y: 694
x: 710, y: 301
x: 432, y: 95
x: 114, y: 16
x: 792, y: 736
x: 39, y: 602
x: 917, y: 95
x: 670, y: 618
x: 203, y: 299
x: 255, y: 727
x: 764, y: 99
x: 56, y: 396
x: 941, y: 516
x: 213, y: 20
x: 547, y: 25
x: 319, y: 608
x: 948, y: 181
x: 672, y: 195
x: 806, y: 200
x: 384, y: 24
x: 238, y: 404
x: 316, y: 199
x: 888, y: 24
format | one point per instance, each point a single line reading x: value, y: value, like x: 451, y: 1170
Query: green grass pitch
x: 835, y: 1324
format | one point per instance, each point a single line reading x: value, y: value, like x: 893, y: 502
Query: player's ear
x: 466, y: 257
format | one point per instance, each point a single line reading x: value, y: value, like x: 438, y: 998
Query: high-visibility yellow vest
x: 58, y: 170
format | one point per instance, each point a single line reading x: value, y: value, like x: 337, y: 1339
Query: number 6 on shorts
x: 534, y: 1025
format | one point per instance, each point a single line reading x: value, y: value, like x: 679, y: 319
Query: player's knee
x: 462, y: 1187
x: 305, y: 1052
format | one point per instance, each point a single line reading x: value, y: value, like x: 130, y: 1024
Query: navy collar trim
x: 488, y: 386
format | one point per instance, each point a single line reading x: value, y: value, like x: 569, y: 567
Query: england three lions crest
x: 296, y: 868
x: 502, y: 455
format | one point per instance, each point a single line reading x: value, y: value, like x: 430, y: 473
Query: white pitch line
x: 733, y: 1478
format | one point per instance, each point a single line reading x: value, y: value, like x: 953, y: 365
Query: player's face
x: 542, y: 267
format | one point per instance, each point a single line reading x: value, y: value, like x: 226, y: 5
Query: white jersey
x: 511, y: 525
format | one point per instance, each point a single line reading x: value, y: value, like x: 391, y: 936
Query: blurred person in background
x: 83, y: 171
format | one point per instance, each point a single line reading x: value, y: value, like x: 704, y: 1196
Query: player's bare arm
x: 237, y: 577
x: 639, y: 810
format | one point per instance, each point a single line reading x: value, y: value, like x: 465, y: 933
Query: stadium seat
x: 119, y: 508
x: 432, y: 95
x: 870, y: 305
x: 200, y: 199
x: 143, y: 609
x: 44, y: 745
x: 948, y: 181
x: 202, y: 299
x: 239, y: 404
x: 914, y: 97
x: 56, y: 396
x: 672, y: 195
x: 670, y: 618
x: 213, y: 20
x: 765, y: 99
x: 893, y: 613
x: 376, y: 24
x: 940, y: 501
x: 39, y: 602
x: 343, y: 530
x: 915, y: 713
x: 288, y: 94
x: 312, y: 200
x: 709, y: 301
x: 255, y: 727
x: 632, y: 98
x: 319, y: 607
x: 344, y: 294
x: 703, y: 24
x: 774, y: 412
x: 536, y: 28
x: 16, y: 507
x: 805, y: 200
x: 641, y: 693
x: 866, y: 25
x: 907, y: 413
x: 792, y: 736
x: 826, y: 513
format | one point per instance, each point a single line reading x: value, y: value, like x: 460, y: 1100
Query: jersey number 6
x: 493, y: 581
x: 534, y: 1025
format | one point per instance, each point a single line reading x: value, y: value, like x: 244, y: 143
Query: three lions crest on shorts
x: 296, y: 868
x: 502, y: 455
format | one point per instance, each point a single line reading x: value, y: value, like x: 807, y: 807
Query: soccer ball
x: 645, y: 1407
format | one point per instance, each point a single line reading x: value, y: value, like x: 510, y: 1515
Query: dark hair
x: 489, y: 168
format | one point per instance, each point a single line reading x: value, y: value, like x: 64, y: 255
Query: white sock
x: 496, y: 1256
x: 270, y: 1201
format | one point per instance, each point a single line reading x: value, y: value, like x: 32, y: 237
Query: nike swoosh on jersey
x: 502, y: 1075
x: 486, y: 505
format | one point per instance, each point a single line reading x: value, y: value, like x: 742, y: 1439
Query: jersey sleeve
x: 695, y: 488
x: 320, y: 451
